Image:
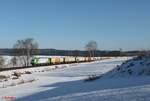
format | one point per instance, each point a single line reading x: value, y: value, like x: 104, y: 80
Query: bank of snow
x: 138, y: 66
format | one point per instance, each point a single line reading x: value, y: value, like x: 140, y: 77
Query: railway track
x: 25, y: 67
x: 14, y: 68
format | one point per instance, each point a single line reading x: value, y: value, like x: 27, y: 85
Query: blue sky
x: 70, y: 24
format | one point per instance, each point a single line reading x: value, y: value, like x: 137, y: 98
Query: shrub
x: 2, y: 61
x: 3, y: 77
x: 17, y: 74
x: 92, y: 78
x: 28, y: 72
x: 118, y: 69
x: 130, y: 71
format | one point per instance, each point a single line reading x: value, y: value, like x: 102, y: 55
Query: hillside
x: 138, y: 66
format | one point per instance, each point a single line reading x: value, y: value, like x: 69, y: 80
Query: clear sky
x: 70, y: 24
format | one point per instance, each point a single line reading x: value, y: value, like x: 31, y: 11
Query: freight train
x: 39, y: 61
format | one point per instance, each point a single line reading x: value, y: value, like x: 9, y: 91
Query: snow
x: 134, y: 67
x: 21, y: 80
x: 66, y: 83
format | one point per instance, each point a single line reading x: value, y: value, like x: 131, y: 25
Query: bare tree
x: 2, y: 61
x: 14, y: 61
x: 24, y: 50
x: 91, y: 47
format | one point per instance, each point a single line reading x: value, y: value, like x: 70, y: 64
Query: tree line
x: 24, y: 49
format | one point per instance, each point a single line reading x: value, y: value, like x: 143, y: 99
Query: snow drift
x: 137, y: 66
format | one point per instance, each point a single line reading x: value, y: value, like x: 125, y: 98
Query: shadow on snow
x: 74, y: 87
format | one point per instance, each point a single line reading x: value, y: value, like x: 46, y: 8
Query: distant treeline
x: 55, y: 52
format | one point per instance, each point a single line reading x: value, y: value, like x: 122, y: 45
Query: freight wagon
x: 39, y: 61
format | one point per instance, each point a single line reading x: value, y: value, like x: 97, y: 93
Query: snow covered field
x: 67, y: 84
